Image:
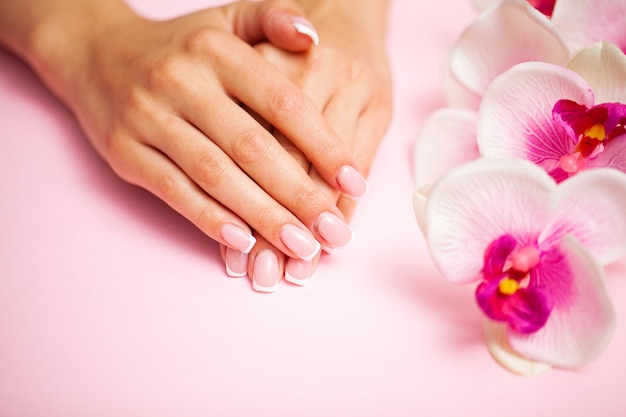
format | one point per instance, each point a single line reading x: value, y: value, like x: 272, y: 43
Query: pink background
x: 113, y: 305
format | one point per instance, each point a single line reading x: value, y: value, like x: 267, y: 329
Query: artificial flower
x: 509, y: 33
x: 513, y: 31
x: 550, y: 115
x: 585, y: 22
x: 536, y: 250
x: 542, y: 112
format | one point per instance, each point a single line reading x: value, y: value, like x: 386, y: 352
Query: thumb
x: 280, y: 22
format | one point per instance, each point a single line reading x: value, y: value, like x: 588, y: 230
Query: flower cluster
x: 522, y: 178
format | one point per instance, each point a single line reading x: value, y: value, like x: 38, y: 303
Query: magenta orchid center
x: 590, y: 130
x: 510, y: 291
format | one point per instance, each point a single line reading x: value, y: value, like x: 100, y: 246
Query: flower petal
x: 582, y: 321
x: 528, y: 309
x: 498, y: 345
x: 613, y: 156
x: 592, y: 208
x: 447, y: 139
x: 583, y: 22
x: 523, y: 34
x: 515, y: 117
x: 420, y: 197
x: 603, y: 66
x: 476, y: 203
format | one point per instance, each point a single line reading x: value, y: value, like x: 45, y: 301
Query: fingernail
x: 237, y: 237
x: 352, y: 182
x: 236, y: 263
x: 298, y: 271
x: 300, y: 242
x: 265, y: 274
x: 305, y: 27
x: 334, y: 230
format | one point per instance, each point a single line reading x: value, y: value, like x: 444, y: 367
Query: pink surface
x: 113, y: 305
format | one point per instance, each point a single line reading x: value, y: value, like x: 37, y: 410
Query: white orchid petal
x: 592, y: 207
x: 478, y: 202
x: 420, y: 197
x: 455, y: 92
x: 447, y: 139
x: 515, y: 116
x: 521, y: 34
x: 582, y: 322
x: 583, y: 22
x: 603, y: 66
x: 498, y: 345
x: 483, y: 4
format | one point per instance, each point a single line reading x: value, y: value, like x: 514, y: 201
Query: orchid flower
x: 581, y: 22
x: 585, y: 22
x: 550, y: 115
x: 563, y: 119
x: 509, y: 33
x: 536, y: 250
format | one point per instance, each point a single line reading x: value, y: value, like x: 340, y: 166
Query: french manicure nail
x: 305, y: 27
x: 265, y: 274
x: 236, y: 263
x: 334, y: 230
x: 352, y: 182
x: 237, y: 237
x: 300, y: 242
x: 298, y: 271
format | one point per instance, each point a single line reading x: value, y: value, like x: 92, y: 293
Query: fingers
x: 287, y: 107
x: 281, y: 22
x: 150, y: 169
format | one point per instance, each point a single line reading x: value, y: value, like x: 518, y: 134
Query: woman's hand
x: 348, y: 78
x: 163, y: 102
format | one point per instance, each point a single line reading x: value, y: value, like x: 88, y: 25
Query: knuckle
x: 203, y: 40
x: 285, y: 103
x: 249, y: 147
x: 167, y: 188
x: 263, y: 217
x: 206, y: 217
x: 305, y: 199
x: 210, y: 171
x: 166, y: 73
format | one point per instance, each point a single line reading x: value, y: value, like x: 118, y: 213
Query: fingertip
x: 291, y: 32
x: 306, y: 28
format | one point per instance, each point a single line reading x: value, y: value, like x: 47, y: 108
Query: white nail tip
x: 261, y: 288
x: 306, y: 30
x: 234, y: 274
x: 300, y: 282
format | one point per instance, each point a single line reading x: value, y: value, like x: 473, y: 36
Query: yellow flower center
x: 508, y: 286
x: 596, y: 131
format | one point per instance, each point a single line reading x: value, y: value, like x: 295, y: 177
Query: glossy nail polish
x: 305, y: 27
x: 334, y: 230
x: 265, y: 274
x: 299, y: 241
x: 352, y: 182
x: 298, y: 271
x: 236, y: 263
x: 237, y: 237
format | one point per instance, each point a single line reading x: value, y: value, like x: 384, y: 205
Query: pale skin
x: 189, y: 109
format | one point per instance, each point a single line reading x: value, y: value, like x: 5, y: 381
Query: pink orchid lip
x: 509, y: 292
x: 590, y: 130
